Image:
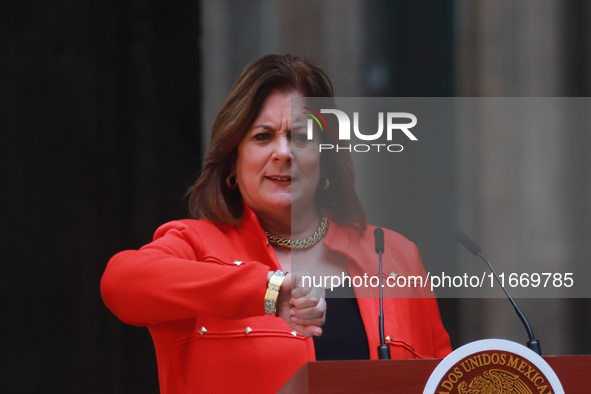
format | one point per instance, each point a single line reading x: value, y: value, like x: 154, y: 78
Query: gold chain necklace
x: 302, y: 243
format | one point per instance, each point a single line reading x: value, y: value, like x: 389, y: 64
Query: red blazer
x: 199, y: 288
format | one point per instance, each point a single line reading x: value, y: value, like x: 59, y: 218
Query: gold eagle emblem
x: 494, y: 381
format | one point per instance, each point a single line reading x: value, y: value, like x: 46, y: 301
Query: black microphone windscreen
x: 379, y: 236
x: 467, y: 242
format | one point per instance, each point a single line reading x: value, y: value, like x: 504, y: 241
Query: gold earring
x: 326, y: 184
x: 231, y: 181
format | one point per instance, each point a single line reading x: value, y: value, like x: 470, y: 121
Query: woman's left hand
x: 302, y: 308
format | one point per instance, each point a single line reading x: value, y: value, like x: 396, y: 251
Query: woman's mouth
x: 279, y: 178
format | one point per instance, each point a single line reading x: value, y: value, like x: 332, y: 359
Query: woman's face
x: 277, y: 167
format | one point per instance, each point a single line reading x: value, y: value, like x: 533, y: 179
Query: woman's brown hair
x: 210, y: 198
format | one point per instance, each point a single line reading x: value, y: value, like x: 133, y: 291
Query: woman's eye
x: 300, y: 137
x: 262, y: 136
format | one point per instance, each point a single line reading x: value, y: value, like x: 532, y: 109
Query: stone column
x: 517, y: 186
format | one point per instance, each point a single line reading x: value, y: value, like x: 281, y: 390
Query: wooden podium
x: 410, y: 376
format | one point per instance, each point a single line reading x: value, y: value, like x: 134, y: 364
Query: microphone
x: 379, y: 237
x: 383, y: 349
x: 533, y: 343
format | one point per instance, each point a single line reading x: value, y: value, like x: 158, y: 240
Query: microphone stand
x: 533, y: 343
x: 469, y: 244
x: 383, y: 349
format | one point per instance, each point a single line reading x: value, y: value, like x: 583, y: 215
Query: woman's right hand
x: 302, y: 308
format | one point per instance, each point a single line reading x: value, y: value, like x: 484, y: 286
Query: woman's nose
x: 282, y: 149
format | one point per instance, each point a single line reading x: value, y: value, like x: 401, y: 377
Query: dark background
x: 100, y: 126
x: 100, y: 139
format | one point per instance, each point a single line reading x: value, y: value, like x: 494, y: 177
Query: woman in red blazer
x: 216, y: 292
